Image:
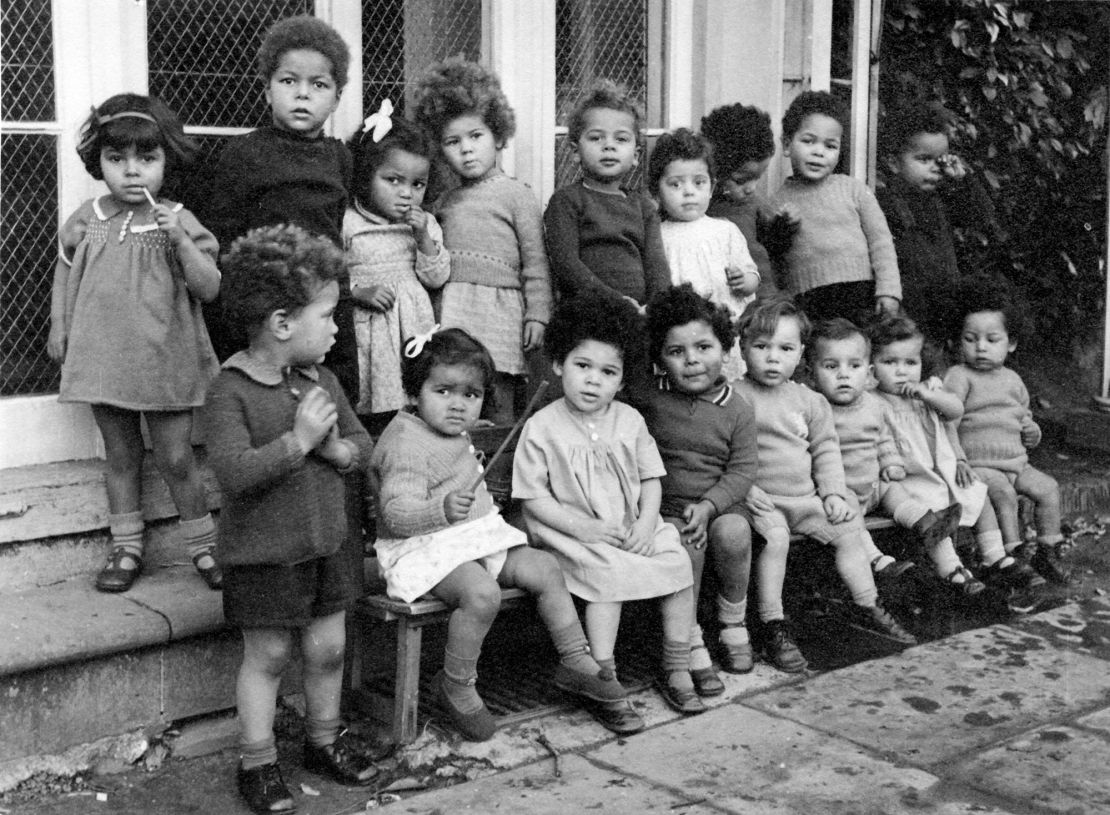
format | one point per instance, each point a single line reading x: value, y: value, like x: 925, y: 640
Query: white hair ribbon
x: 415, y: 344
x: 379, y: 123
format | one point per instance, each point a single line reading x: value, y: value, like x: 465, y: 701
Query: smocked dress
x: 594, y: 464
x: 379, y: 253
x: 136, y: 337
x: 930, y: 450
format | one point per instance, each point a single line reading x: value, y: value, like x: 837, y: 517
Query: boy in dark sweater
x: 289, y: 172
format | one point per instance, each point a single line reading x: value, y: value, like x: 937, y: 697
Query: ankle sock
x: 258, y: 753
x: 881, y: 562
x: 127, y: 532
x: 574, y: 649
x: 699, y: 654
x: 991, y: 551
x: 199, y: 533
x: 909, y: 512
x: 733, y: 618
x: 944, y: 557
x: 321, y: 732
x: 676, y: 664
x: 462, y: 679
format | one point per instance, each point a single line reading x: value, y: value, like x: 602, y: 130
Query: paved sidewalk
x: 1013, y: 718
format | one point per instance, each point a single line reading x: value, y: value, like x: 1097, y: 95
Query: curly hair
x: 892, y: 329
x: 457, y: 87
x: 988, y: 293
x: 681, y: 145
x: 368, y: 154
x: 899, y: 127
x: 833, y: 330
x: 275, y: 268
x: 761, y: 318
x: 604, y: 93
x: 738, y: 134
x: 609, y: 320
x: 680, y: 305
x: 311, y: 34
x: 451, y: 346
x: 110, y: 126
x: 808, y: 103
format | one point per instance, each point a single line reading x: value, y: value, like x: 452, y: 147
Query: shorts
x: 273, y: 595
x: 805, y: 515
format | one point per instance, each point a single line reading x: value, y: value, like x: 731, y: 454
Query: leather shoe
x: 346, y: 760
x: 264, y: 789
x: 603, y: 687
x: 115, y: 576
x: 706, y: 682
x: 213, y: 575
x: 684, y: 701
x: 477, y: 726
x: 619, y: 717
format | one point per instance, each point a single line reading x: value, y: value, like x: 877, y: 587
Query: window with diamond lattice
x: 597, y: 39
x: 28, y: 198
x: 402, y: 38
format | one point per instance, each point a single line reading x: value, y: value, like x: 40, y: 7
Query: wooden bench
x: 409, y: 620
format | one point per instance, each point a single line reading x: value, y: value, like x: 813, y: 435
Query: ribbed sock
x: 734, y: 619
x: 127, y: 532
x: 944, y: 558
x: 199, y: 533
x: 991, y: 551
x: 321, y: 732
x: 676, y: 664
x: 462, y: 678
x: 699, y: 654
x: 258, y: 753
x: 574, y: 649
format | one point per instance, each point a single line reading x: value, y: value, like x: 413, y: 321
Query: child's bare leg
x: 538, y: 572
x: 603, y: 621
x: 322, y: 645
x: 770, y: 565
x: 1045, y: 493
x: 730, y: 539
x: 1003, y: 500
x: 266, y: 654
x: 476, y: 598
x: 699, y: 654
x: 123, y: 446
x: 853, y: 567
x: 988, y: 538
x: 677, y: 610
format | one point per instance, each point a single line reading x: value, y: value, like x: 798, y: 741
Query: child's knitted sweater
x: 843, y: 236
x: 494, y: 232
x: 708, y: 444
x: 867, y: 444
x: 798, y: 449
x: 996, y: 409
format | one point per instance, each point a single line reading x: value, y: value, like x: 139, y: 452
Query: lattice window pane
x: 27, y: 54
x: 401, y: 38
x: 202, y: 57
x: 28, y: 250
x: 597, y: 39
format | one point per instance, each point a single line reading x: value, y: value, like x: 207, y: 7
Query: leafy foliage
x: 1027, y: 84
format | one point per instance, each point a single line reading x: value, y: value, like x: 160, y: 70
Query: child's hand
x: 1030, y: 433
x: 965, y: 476
x: 169, y: 223
x: 334, y: 449
x: 316, y: 415
x: 456, y: 505
x: 376, y: 298
x: 887, y: 305
x: 789, y: 214
x: 895, y: 472
x: 952, y: 166
x: 741, y: 281
x: 759, y: 501
x: 56, y: 342
x: 533, y: 335
x: 640, y: 539
x: 912, y: 390
x: 418, y: 220
x: 837, y: 509
x: 594, y: 531
x: 696, y: 531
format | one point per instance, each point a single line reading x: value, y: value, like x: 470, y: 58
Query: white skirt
x: 413, y: 566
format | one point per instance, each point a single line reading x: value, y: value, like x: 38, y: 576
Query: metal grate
x: 28, y: 212
x: 202, y: 57
x: 27, y: 55
x: 596, y: 39
x: 401, y: 38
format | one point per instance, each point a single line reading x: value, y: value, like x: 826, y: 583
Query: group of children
x: 347, y: 311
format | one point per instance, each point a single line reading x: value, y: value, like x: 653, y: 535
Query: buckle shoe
x: 264, y: 789
x: 346, y: 760
x: 114, y: 576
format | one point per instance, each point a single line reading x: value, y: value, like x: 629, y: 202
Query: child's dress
x: 700, y: 253
x: 413, y: 469
x: 930, y: 451
x: 499, y: 276
x: 594, y: 464
x: 383, y: 253
x: 136, y: 336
